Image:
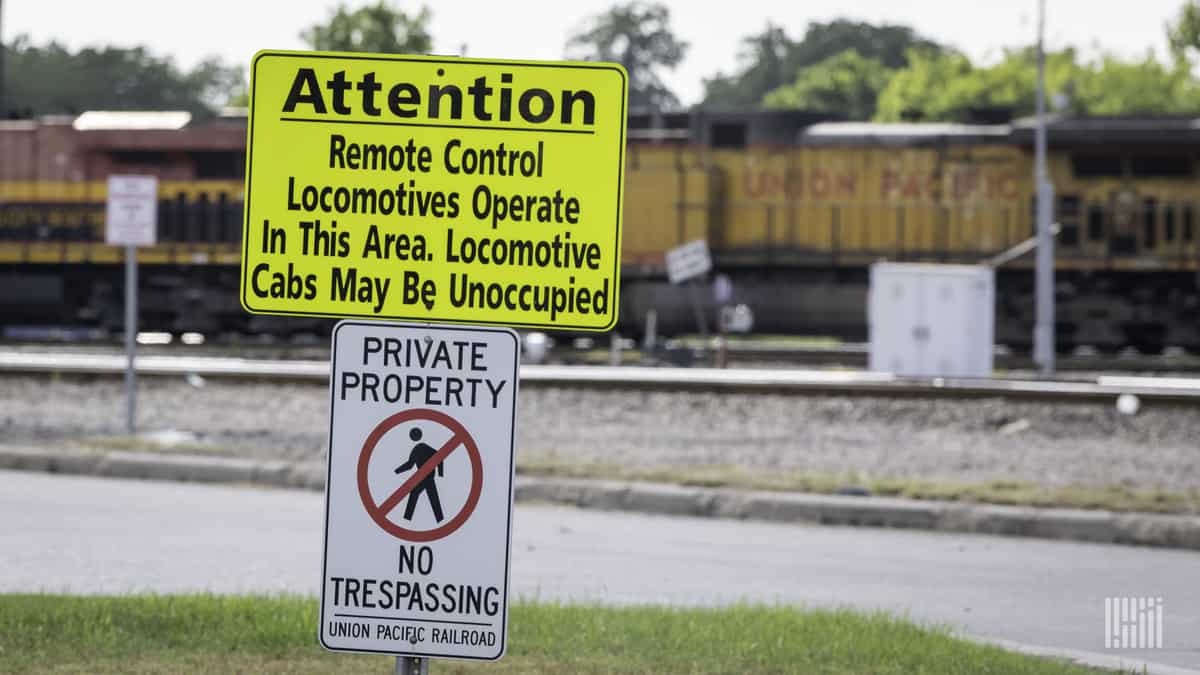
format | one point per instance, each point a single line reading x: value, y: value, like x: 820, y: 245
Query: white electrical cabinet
x: 931, y: 320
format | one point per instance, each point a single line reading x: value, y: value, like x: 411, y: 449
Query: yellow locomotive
x: 794, y: 208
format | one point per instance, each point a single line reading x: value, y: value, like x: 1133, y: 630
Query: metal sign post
x: 698, y: 310
x: 686, y: 263
x: 131, y: 312
x: 412, y: 665
x: 1043, y: 334
x: 130, y: 218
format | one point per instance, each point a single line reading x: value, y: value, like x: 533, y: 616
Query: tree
x: 947, y: 87
x: 1112, y: 86
x: 888, y: 43
x: 637, y: 36
x: 377, y: 28
x: 53, y: 80
x: 1184, y: 33
x: 847, y: 84
x: 218, y: 84
x: 771, y: 59
x: 764, y: 58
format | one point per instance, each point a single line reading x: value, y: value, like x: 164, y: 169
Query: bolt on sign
x: 434, y: 189
x: 418, y: 501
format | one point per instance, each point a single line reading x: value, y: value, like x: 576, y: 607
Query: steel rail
x: 850, y: 355
x: 814, y: 382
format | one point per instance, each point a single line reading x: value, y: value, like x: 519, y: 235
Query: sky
x: 537, y: 29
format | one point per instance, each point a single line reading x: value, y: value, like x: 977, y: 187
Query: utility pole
x: 1043, y: 332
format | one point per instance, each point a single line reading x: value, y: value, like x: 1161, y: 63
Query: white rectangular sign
x: 131, y: 213
x: 418, y: 499
x: 688, y: 261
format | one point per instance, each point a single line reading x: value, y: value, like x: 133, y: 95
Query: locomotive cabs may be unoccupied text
x: 434, y: 189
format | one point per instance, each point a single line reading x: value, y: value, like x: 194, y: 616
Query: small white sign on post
x: 688, y: 261
x: 418, y: 498
x: 131, y: 220
x: 131, y: 216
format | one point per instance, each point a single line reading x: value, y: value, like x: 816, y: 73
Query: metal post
x: 412, y: 665
x: 1043, y: 334
x: 701, y: 324
x: 130, y: 337
x: 722, y: 342
x: 650, y: 338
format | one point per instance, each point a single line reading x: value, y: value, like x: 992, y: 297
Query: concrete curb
x: 1122, y: 663
x: 1142, y: 529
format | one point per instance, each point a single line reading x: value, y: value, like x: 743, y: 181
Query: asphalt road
x: 87, y: 535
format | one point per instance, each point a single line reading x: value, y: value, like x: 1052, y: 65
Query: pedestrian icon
x: 422, y: 453
x: 422, y: 472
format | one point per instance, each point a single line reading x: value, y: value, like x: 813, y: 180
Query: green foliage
x: 219, y: 84
x: 765, y: 65
x: 847, y: 84
x: 53, y: 80
x: 887, y: 43
x: 771, y: 59
x: 890, y: 73
x: 1112, y: 86
x: 932, y: 87
x: 1184, y: 33
x: 945, y: 87
x: 377, y: 28
x: 638, y: 36
x: 205, y: 633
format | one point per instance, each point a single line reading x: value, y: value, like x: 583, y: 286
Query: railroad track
x: 854, y: 355
x: 846, y: 355
x: 1104, y: 387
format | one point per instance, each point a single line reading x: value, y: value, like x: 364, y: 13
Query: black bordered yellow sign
x: 434, y: 189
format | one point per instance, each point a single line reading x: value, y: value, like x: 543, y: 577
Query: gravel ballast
x: 937, y: 439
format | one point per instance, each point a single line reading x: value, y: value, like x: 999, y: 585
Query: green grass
x: 1123, y: 498
x: 230, y: 634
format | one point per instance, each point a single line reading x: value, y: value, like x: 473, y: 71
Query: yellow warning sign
x: 434, y: 189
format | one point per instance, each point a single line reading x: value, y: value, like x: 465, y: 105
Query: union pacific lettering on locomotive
x: 795, y: 207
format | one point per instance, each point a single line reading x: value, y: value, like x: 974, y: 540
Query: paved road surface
x: 87, y: 535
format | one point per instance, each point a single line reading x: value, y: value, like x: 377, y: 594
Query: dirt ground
x: 963, y: 440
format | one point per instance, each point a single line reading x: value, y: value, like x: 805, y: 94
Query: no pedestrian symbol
x: 427, y: 464
x: 418, y: 498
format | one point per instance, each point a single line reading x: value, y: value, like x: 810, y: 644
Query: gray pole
x: 130, y: 336
x: 412, y: 665
x: 1043, y: 335
x: 701, y: 324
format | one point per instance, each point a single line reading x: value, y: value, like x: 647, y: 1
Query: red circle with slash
x: 459, y: 437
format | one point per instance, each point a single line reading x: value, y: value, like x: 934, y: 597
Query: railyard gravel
x: 962, y: 440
